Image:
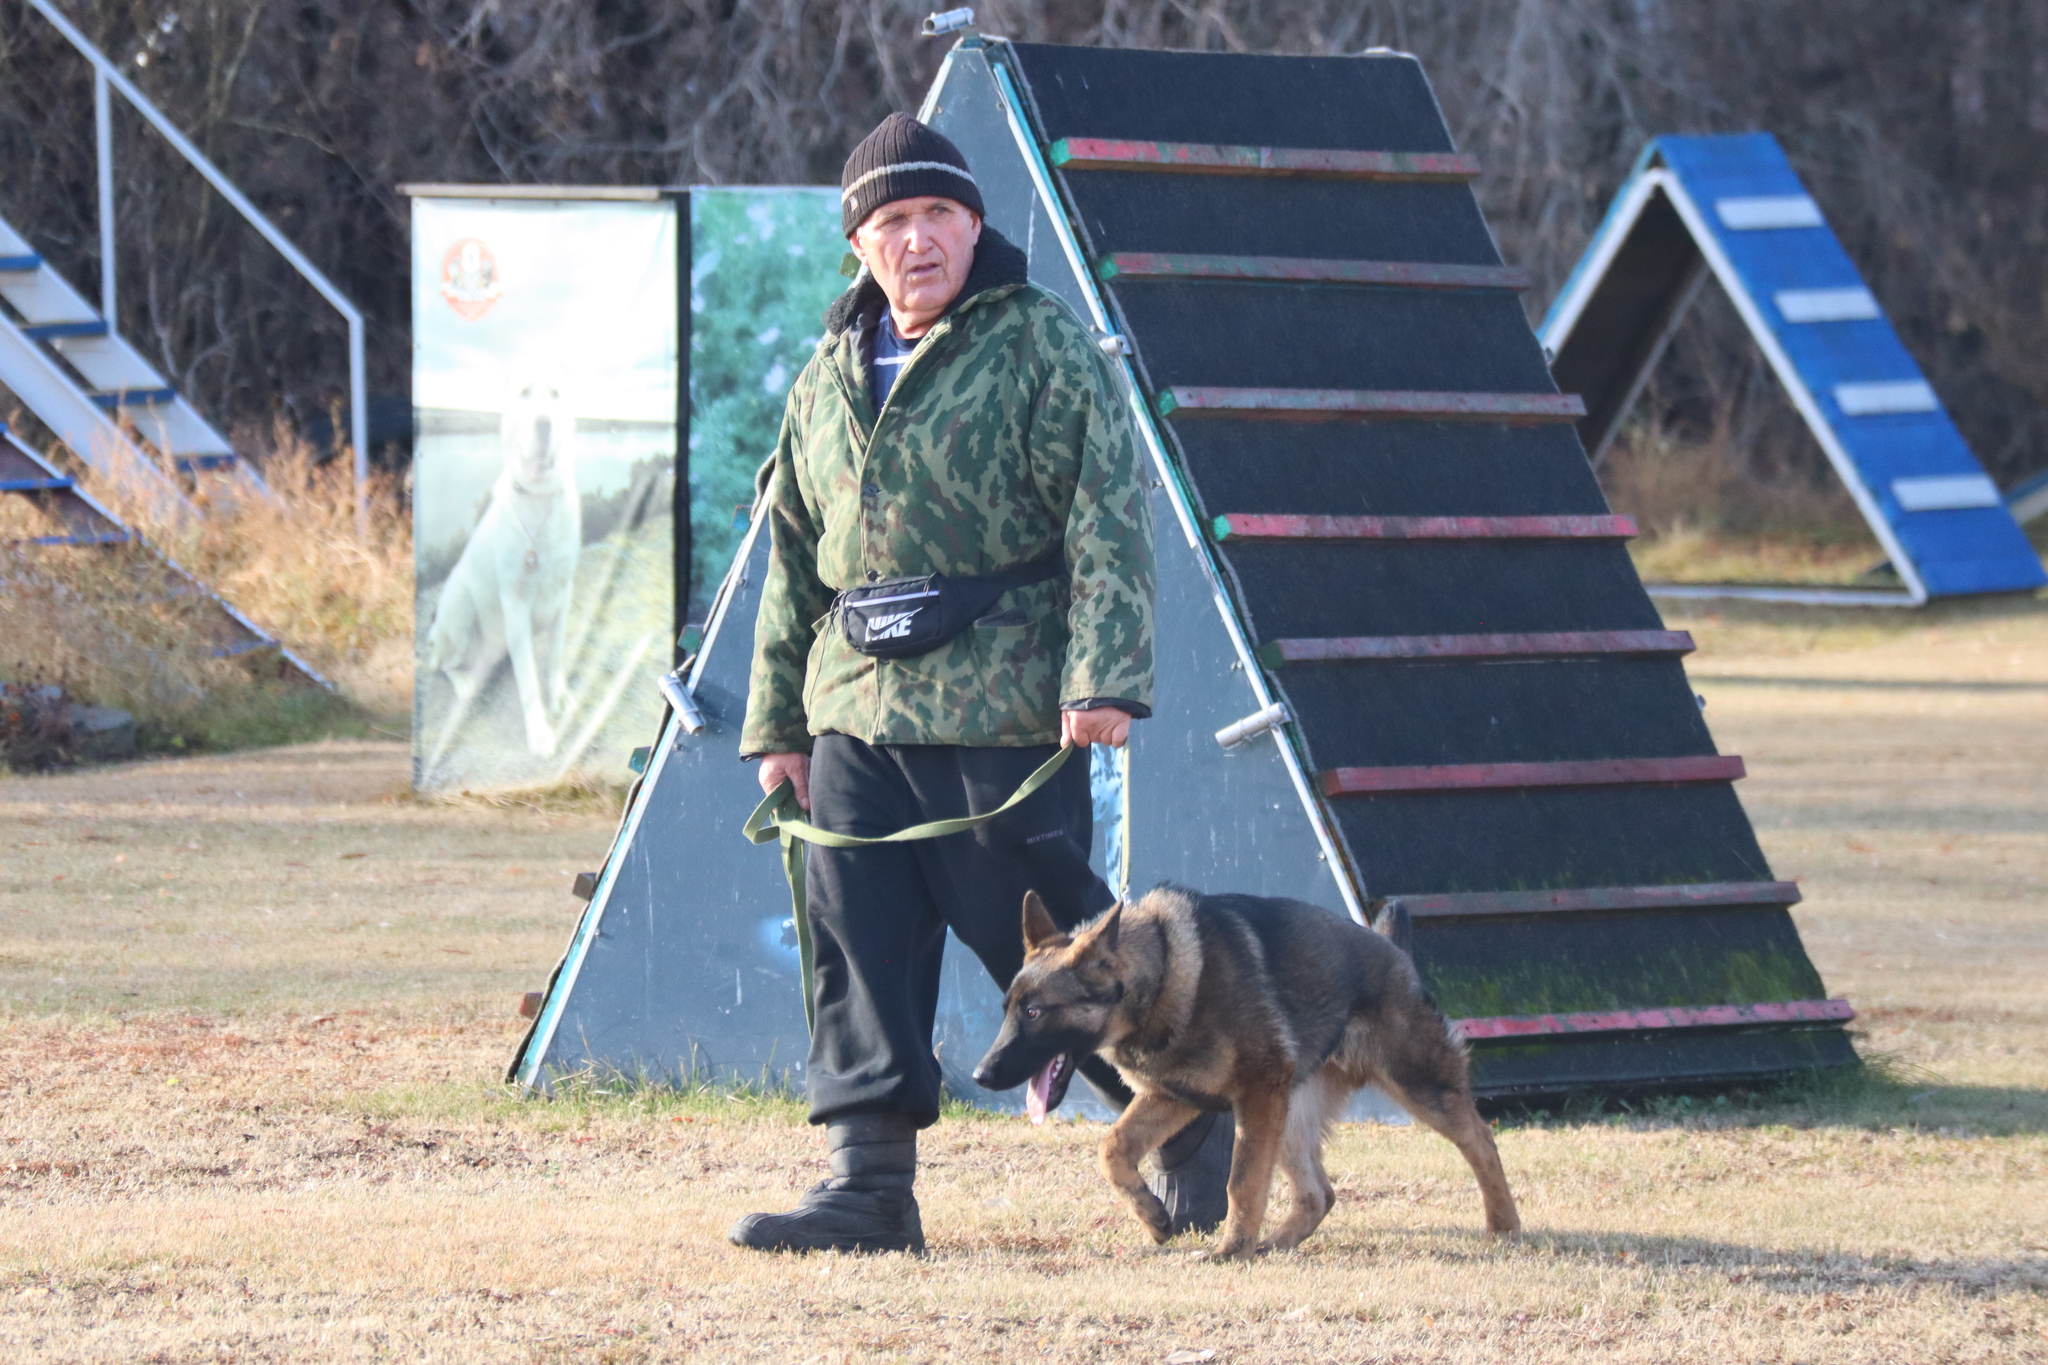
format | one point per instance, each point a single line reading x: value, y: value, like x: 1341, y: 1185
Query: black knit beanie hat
x: 902, y: 159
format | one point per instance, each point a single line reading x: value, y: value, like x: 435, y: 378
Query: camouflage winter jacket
x: 1002, y: 442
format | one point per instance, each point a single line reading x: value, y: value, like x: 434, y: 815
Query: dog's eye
x: 1032, y: 1011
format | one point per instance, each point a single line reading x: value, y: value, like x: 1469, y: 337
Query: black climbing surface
x: 1456, y: 718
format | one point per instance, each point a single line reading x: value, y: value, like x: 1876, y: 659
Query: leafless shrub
x: 35, y: 727
x: 1923, y: 130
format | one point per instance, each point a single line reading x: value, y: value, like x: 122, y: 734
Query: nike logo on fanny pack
x: 895, y: 626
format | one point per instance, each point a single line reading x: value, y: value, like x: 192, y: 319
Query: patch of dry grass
x: 113, y: 627
x: 302, y: 879
x: 1689, y: 552
x: 1707, y: 515
x: 1981, y: 639
x: 231, y: 1189
x: 580, y: 793
x: 296, y: 564
x: 281, y: 1137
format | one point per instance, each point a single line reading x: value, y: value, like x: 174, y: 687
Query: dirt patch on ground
x: 256, y: 1007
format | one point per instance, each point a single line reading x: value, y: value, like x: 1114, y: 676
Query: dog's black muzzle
x: 1015, y: 1056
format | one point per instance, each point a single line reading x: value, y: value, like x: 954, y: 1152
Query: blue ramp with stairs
x: 97, y: 393
x: 1732, y: 205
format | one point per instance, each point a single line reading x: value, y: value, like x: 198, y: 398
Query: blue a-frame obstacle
x: 1733, y: 205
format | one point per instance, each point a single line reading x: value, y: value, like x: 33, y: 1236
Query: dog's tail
x: 1392, y: 923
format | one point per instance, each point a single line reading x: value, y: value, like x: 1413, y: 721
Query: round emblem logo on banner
x: 469, y: 279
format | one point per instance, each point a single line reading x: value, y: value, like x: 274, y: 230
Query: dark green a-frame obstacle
x: 1384, y: 561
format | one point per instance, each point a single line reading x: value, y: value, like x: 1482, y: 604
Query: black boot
x: 866, y: 1205
x: 1194, y: 1174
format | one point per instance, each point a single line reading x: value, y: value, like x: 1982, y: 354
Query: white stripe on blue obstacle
x: 1826, y: 305
x: 1945, y: 492
x: 1874, y: 399
x: 1749, y: 212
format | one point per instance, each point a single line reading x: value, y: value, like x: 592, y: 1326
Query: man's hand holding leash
x: 1107, y: 725
x: 794, y: 767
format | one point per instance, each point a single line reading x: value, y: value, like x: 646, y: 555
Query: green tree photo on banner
x: 764, y: 266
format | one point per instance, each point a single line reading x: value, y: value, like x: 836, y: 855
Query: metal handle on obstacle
x: 952, y: 21
x: 1254, y: 725
x: 678, y: 694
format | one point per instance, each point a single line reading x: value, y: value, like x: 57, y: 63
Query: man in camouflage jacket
x: 1002, y: 442
x: 998, y: 441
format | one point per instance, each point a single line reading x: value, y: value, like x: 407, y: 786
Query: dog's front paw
x: 1152, y: 1214
x: 540, y: 736
x: 1235, y: 1247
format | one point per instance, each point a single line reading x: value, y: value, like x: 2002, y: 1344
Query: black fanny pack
x: 896, y: 618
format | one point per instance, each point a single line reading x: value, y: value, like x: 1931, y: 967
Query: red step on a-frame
x: 1121, y: 154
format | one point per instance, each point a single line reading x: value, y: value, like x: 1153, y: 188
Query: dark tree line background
x: 1920, y: 125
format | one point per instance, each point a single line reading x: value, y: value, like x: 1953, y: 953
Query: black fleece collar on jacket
x: 997, y: 265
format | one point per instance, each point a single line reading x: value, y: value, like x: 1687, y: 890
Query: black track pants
x: 879, y: 915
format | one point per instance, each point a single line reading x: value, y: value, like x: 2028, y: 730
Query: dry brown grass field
x: 254, y: 1007
x: 114, y: 629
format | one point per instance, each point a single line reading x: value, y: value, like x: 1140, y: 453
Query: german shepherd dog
x: 1274, y: 1009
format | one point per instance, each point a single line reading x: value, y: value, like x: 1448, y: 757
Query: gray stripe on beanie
x: 903, y: 159
x: 906, y: 166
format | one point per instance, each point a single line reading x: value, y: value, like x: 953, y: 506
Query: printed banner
x: 545, y: 386
x: 764, y: 267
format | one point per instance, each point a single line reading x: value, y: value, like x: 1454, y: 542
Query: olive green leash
x: 777, y: 817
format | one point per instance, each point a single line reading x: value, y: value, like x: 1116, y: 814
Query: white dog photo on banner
x: 546, y: 376
x: 507, y: 599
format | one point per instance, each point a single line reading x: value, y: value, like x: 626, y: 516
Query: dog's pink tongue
x: 1039, y: 1091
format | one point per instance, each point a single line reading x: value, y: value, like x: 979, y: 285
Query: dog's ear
x: 1039, y: 930
x: 1394, y: 924
x: 1104, y: 934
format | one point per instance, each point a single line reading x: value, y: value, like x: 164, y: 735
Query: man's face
x: 919, y: 251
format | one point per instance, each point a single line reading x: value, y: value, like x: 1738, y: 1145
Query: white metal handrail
x: 105, y: 75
